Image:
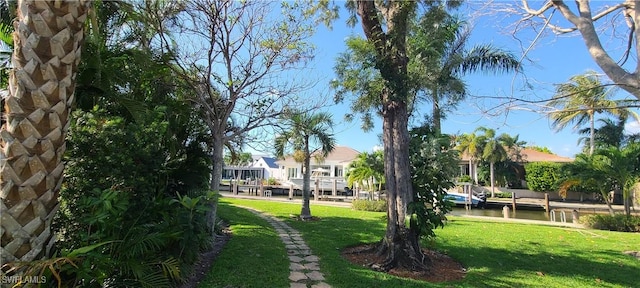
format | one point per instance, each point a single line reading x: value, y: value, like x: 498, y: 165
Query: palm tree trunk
x: 592, y: 132
x: 305, y: 211
x: 492, y: 180
x: 48, y: 41
x: 436, y: 114
x: 471, y: 171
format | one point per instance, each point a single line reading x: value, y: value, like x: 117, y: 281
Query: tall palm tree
x: 493, y: 151
x: 41, y: 92
x: 473, y: 145
x: 303, y: 130
x: 579, y: 100
x: 446, y: 83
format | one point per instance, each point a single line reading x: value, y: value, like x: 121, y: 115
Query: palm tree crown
x: 302, y: 131
x: 579, y: 100
x: 445, y: 82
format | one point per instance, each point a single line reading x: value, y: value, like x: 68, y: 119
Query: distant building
x: 262, y: 167
x: 334, y: 165
x: 527, y: 155
x: 270, y: 167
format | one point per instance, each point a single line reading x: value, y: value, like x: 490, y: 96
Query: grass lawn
x: 496, y: 254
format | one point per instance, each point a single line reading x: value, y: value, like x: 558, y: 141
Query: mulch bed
x: 444, y: 267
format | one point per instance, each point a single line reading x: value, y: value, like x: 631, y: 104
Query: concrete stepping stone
x: 311, y: 258
x: 303, y: 265
x: 315, y: 275
x: 296, y: 267
x: 295, y: 259
x: 313, y: 266
x: 296, y: 276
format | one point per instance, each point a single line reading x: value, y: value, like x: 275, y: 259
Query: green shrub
x: 272, y: 181
x: 128, y: 183
x: 370, y: 205
x: 465, y: 178
x: 618, y: 222
x: 503, y: 194
x: 543, y: 176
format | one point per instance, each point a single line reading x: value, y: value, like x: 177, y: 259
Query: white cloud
x: 632, y: 127
x: 377, y: 148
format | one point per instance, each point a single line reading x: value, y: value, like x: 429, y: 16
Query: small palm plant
x: 303, y: 130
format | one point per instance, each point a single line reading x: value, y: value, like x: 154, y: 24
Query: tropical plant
x: 584, y: 175
x: 433, y: 170
x: 579, y: 100
x: 503, y: 148
x: 443, y: 79
x: 608, y: 169
x: 141, y: 187
x: 367, y: 168
x: 303, y: 130
x: 37, y: 107
x: 471, y: 144
x: 6, y: 41
x: 610, y: 134
x: 622, y: 167
x: 493, y: 151
x: 377, y: 72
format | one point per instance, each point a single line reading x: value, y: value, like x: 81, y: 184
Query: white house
x: 261, y: 167
x: 269, y: 167
x: 334, y: 165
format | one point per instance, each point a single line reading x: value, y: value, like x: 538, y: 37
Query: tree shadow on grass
x: 488, y: 266
x: 254, y: 256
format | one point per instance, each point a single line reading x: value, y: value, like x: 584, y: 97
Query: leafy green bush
x: 131, y: 184
x: 465, y: 178
x: 503, y: 194
x: 272, y: 181
x: 543, y: 176
x: 618, y: 222
x: 370, y: 205
x: 434, y: 165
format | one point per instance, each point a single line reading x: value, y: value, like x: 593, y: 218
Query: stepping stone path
x: 304, y: 268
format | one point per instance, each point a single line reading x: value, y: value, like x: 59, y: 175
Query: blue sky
x: 553, y: 60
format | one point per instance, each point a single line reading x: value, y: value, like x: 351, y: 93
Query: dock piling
x: 505, y: 212
x: 546, y: 203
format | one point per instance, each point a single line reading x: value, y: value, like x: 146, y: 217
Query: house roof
x: 530, y: 155
x: 340, y: 154
x: 271, y: 162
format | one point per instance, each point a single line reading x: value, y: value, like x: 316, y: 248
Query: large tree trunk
x: 48, y: 41
x: 217, y: 164
x: 400, y: 244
